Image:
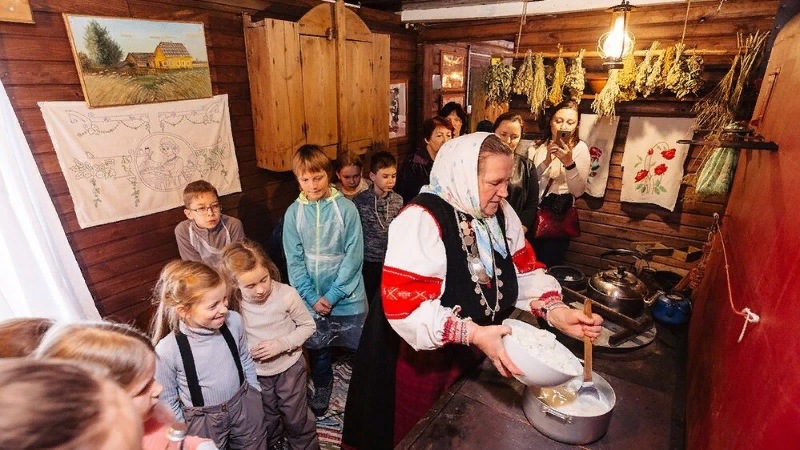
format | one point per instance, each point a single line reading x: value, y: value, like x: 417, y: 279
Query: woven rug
x: 329, y: 426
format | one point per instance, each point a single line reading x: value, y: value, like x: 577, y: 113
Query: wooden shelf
x: 652, y: 98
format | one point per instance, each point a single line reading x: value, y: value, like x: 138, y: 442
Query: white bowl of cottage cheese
x: 542, y: 359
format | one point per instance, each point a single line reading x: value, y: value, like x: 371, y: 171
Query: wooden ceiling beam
x: 699, y: 16
x: 515, y: 9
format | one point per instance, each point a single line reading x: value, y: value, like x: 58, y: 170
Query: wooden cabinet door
x: 318, y: 56
x: 273, y: 65
x: 367, y: 93
x: 359, y: 95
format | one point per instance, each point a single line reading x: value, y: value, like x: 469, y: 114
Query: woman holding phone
x: 562, y: 165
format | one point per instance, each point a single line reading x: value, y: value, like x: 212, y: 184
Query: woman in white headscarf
x: 457, y: 264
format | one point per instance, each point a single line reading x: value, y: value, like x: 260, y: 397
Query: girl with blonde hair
x: 277, y: 323
x: 130, y: 361
x: 204, y: 364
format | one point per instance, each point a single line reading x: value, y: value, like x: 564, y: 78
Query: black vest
x: 459, y: 288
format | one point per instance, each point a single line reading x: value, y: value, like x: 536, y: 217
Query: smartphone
x: 563, y: 135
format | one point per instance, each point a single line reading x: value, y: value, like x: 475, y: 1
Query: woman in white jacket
x: 562, y: 164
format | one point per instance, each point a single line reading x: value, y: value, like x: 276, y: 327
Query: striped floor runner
x: 329, y: 427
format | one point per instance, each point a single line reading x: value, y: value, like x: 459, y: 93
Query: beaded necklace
x: 477, y: 272
x: 385, y: 223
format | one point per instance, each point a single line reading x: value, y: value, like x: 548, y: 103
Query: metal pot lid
x: 618, y: 283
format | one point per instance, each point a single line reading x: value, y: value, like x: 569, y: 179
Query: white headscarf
x: 454, y: 178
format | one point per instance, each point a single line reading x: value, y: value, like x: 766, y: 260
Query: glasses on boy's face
x: 213, y: 209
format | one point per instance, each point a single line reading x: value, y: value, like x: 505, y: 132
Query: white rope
x: 749, y: 317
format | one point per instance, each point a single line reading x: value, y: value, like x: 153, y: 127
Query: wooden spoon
x: 588, y: 388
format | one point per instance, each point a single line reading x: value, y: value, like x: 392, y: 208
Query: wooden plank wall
x: 607, y: 223
x: 121, y: 261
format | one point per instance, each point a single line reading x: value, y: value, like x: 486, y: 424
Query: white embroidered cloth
x: 599, y: 134
x: 130, y: 161
x: 653, y: 160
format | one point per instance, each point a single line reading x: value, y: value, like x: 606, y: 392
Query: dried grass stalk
x: 719, y: 108
x: 603, y: 104
x: 754, y: 46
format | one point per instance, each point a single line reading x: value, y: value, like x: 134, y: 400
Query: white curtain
x: 40, y: 276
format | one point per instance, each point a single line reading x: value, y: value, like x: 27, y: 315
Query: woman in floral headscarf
x: 457, y: 264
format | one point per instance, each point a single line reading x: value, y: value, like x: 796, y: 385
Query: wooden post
x: 341, y: 57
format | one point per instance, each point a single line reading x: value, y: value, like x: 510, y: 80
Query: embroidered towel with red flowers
x: 652, y: 161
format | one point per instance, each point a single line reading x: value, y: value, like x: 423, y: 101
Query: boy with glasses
x: 206, y: 231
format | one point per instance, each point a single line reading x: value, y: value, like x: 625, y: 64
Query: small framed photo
x: 15, y: 11
x: 457, y: 97
x: 398, y: 109
x: 452, y: 71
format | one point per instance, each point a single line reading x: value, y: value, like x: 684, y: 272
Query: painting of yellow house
x: 125, y: 61
x: 172, y: 55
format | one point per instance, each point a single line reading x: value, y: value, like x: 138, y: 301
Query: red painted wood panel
x: 745, y: 395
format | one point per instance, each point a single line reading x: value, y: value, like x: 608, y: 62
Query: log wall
x: 607, y: 223
x: 121, y: 261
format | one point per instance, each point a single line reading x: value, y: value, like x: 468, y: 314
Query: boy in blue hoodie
x: 324, y: 247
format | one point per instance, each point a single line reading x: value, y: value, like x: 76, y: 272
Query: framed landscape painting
x: 131, y: 61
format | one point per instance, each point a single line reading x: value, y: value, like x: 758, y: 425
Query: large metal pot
x: 564, y: 427
x: 618, y: 288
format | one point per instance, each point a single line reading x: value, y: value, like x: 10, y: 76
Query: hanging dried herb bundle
x: 603, y: 104
x: 643, y: 72
x: 627, y: 79
x: 716, y: 110
x: 713, y: 111
x: 498, y: 84
x: 691, y: 80
x: 557, y: 88
x: 667, y: 61
x: 539, y: 91
x: 523, y: 82
x: 754, y: 50
x: 575, y: 81
x: 655, y: 82
x: 675, y: 72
